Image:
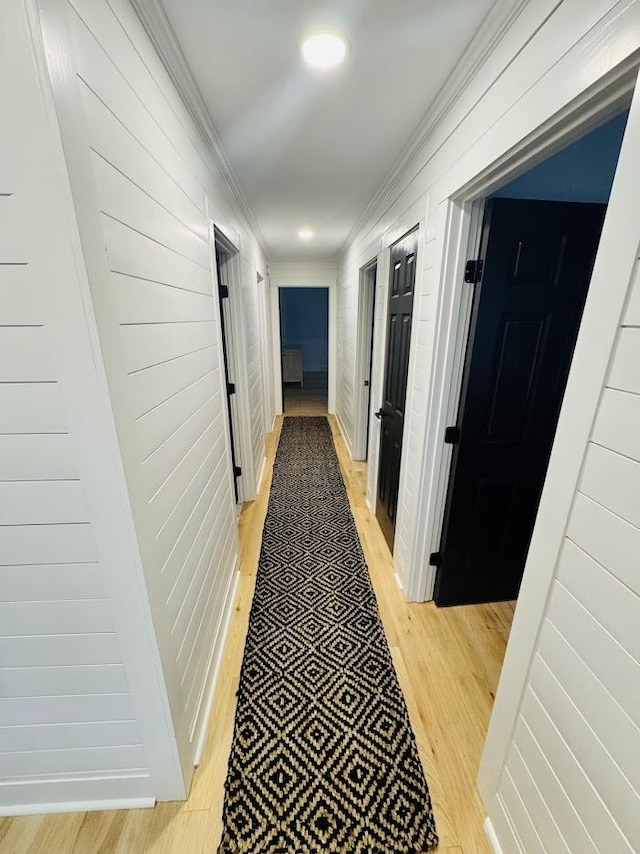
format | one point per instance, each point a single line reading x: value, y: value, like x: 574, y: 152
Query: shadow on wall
x: 304, y: 319
x: 581, y: 172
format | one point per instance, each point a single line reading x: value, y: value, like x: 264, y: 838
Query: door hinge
x: 473, y: 271
x: 435, y: 559
x: 231, y: 388
x: 366, y: 383
x: 452, y: 435
x: 223, y: 290
x: 237, y: 471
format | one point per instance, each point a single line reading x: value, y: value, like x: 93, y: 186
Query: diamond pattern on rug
x: 323, y: 756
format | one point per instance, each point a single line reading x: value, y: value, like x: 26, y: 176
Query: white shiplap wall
x: 82, y: 712
x: 571, y: 779
x: 548, y: 55
x: 568, y: 779
x: 146, y: 190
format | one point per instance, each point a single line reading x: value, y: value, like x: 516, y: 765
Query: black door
x: 222, y: 259
x: 402, y: 279
x: 538, y: 258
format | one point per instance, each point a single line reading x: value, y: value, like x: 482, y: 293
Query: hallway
x: 454, y: 657
x: 168, y: 169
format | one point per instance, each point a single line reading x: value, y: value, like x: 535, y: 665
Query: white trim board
x: 491, y: 836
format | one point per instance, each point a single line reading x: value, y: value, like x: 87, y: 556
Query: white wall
x: 578, y: 748
x: 559, y: 767
x: 147, y: 190
x: 520, y: 82
x: 83, y: 712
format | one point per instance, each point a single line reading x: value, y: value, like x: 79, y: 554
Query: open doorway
x: 530, y: 271
x: 304, y: 329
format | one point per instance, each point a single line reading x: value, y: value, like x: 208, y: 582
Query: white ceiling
x: 311, y: 148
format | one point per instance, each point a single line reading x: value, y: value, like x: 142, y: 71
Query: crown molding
x: 155, y: 21
x: 492, y: 30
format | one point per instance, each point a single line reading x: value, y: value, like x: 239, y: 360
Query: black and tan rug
x: 323, y: 757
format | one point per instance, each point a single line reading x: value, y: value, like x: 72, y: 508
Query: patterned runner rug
x: 323, y: 757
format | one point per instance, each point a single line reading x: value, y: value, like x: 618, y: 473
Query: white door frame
x: 462, y: 236
x: 265, y: 350
x: 237, y: 363
x: 367, y: 291
x: 277, y: 340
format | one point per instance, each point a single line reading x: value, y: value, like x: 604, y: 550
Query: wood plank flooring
x: 448, y: 662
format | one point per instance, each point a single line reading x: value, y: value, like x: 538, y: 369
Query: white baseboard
x: 491, y: 836
x: 79, y: 806
x: 343, y: 432
x: 261, y: 475
x: 398, y: 581
x: 203, y: 712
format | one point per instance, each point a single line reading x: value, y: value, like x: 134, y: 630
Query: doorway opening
x: 225, y: 253
x: 531, y: 262
x: 304, y: 334
x: 364, y: 360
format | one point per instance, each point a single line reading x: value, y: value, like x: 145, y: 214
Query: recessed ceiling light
x: 305, y: 234
x: 324, y: 50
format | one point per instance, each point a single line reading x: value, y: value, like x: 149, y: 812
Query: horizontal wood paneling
x: 59, y: 650
x: 613, y: 481
x: 69, y: 729
x: 42, y: 502
x: 82, y: 616
x: 142, y: 301
x: 607, y: 538
x: 603, y: 714
x: 552, y: 737
x: 617, y: 422
x: 37, y: 456
x: 583, y: 700
x: 12, y: 244
x: 161, y: 422
x: 153, y: 386
x: 154, y: 183
x: 124, y: 201
x: 56, y: 681
x: 556, y: 797
x: 31, y: 408
x: 24, y: 355
x: 22, y: 711
x: 618, y: 671
x: 624, y: 373
x: 43, y: 763
x: 61, y: 736
x: 46, y: 544
x: 51, y: 582
x: 18, y: 296
x: 135, y: 255
x: 146, y: 345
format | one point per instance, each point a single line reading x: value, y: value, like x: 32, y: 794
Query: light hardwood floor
x: 448, y: 662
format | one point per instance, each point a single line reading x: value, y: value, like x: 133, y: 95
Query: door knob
x: 380, y: 414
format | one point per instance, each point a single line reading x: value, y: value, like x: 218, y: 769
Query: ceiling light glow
x: 305, y: 234
x: 324, y: 50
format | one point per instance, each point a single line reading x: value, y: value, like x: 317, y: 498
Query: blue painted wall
x: 582, y: 172
x: 304, y: 319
